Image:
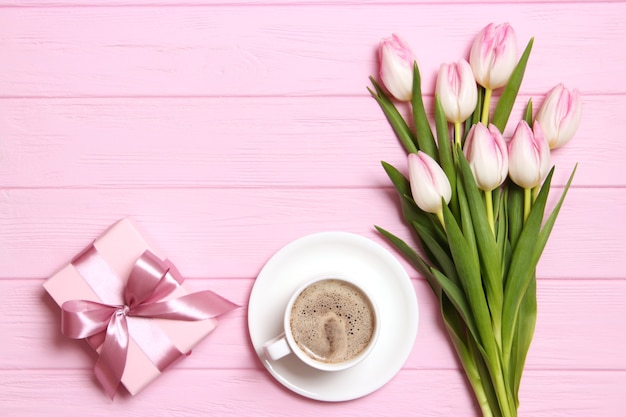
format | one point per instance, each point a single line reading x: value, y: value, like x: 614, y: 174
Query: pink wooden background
x: 226, y: 130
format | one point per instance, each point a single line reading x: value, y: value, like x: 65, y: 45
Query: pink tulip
x: 429, y: 184
x: 396, y: 67
x: 494, y: 55
x: 486, y: 152
x: 456, y: 88
x: 529, y: 155
x: 560, y: 115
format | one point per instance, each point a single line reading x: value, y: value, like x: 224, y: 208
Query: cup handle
x: 277, y: 348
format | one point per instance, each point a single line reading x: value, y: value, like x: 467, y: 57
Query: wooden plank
x: 258, y: 142
x: 245, y: 3
x: 284, y: 50
x: 236, y: 393
x: 216, y: 231
x: 572, y: 330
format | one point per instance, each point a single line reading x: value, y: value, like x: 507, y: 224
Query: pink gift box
x: 120, y: 246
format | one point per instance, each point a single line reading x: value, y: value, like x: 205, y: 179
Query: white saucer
x: 375, y: 268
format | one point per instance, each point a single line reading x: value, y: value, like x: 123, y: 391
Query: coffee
x: 332, y: 321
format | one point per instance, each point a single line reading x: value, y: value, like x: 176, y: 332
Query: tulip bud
x: 559, y: 115
x: 529, y: 155
x: 396, y: 67
x: 494, y: 55
x: 429, y: 184
x: 486, y: 152
x: 456, y: 88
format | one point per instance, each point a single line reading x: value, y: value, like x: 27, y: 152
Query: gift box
x: 137, y: 332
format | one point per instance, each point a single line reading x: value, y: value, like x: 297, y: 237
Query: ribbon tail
x: 81, y: 319
x: 112, y: 361
x: 200, y: 305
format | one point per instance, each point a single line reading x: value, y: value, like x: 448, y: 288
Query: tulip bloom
x: 396, y: 67
x: 429, y: 184
x: 486, y: 152
x: 529, y: 155
x: 494, y: 55
x: 560, y: 115
x: 456, y: 88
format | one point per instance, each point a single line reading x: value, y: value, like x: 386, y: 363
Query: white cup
x: 285, y: 343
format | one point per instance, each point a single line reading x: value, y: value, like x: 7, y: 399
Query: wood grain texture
x: 565, y: 309
x: 247, y: 3
x: 209, y: 231
x: 228, y: 129
x: 267, y: 142
x: 292, y: 51
x: 250, y: 392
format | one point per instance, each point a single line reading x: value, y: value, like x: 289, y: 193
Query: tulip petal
x: 560, y: 115
x: 493, y: 55
x: 396, y: 67
x: 487, y: 156
x: 429, y: 184
x: 456, y: 88
x: 529, y: 155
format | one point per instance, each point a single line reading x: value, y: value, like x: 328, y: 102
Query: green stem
x: 527, y: 202
x: 482, y: 402
x: 481, y: 397
x: 440, y: 217
x: 485, y: 116
x: 536, y: 191
x: 457, y: 133
x: 471, y: 367
x: 501, y: 392
x: 489, y: 206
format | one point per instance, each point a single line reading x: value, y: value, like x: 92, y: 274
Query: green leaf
x: 468, y: 269
x: 466, y: 222
x: 528, y: 113
x: 457, y: 330
x: 425, y: 139
x: 507, y: 99
x: 445, y: 153
x: 502, y: 238
x: 471, y: 359
x: 502, y: 226
x: 549, y: 224
x: 475, y: 117
x: 400, y: 182
x: 410, y: 211
x: 523, y: 263
x: 460, y: 302
x: 528, y: 307
x: 486, y: 381
x: 515, y: 212
x: 487, y: 247
x: 443, y: 140
x: 523, y: 335
x: 402, y: 185
x: 430, y: 221
x: 438, y: 252
x: 411, y: 255
x: 397, y: 122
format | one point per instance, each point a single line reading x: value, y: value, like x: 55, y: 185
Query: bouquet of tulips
x: 476, y: 201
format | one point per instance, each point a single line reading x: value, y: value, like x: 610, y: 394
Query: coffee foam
x: 332, y: 321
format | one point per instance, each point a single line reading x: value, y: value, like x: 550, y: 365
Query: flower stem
x: 440, y: 217
x: 527, y: 202
x: 489, y: 206
x: 536, y: 192
x: 486, y: 103
x: 485, y: 408
x: 457, y: 133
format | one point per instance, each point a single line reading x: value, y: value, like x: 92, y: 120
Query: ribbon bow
x: 149, y: 282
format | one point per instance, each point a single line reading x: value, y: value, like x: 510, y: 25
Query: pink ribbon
x: 107, y: 324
